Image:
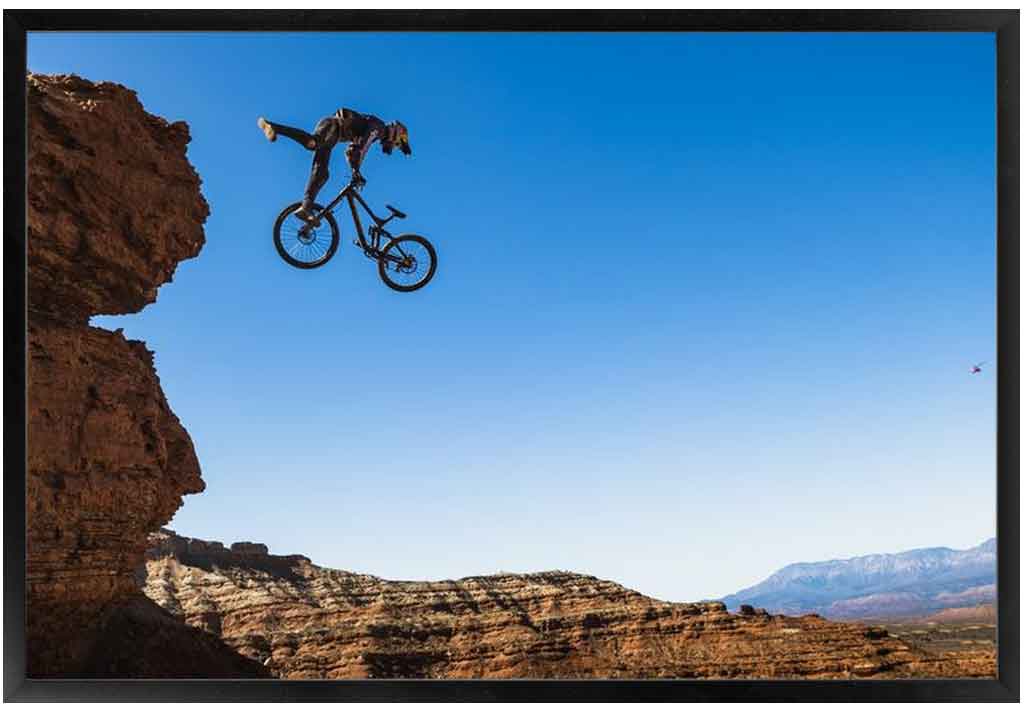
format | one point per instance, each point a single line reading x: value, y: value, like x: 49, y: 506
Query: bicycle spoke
x: 308, y: 249
x: 412, y: 253
x: 304, y: 244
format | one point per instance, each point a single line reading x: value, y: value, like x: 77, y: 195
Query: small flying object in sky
x: 976, y: 368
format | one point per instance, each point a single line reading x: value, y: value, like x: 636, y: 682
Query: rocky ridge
x: 113, y: 207
x: 880, y: 586
x: 309, y: 622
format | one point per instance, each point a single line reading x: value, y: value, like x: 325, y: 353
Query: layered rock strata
x: 113, y: 207
x: 308, y: 622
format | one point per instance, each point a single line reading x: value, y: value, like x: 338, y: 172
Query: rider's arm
x: 356, y: 150
x: 354, y: 153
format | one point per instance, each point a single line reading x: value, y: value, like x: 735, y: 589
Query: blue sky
x: 705, y: 303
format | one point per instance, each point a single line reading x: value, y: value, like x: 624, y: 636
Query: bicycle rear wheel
x: 407, y: 263
x: 303, y: 246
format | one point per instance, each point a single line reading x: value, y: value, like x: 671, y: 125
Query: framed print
x: 448, y: 355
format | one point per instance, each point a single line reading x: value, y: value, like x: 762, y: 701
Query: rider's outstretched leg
x: 272, y: 129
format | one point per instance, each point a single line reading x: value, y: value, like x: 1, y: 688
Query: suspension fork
x: 304, y: 231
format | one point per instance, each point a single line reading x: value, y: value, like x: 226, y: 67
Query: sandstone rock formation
x: 113, y: 207
x: 308, y: 622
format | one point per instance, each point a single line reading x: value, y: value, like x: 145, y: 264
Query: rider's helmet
x: 398, y: 135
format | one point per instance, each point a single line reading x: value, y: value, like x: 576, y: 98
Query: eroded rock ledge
x: 308, y: 622
x: 113, y: 207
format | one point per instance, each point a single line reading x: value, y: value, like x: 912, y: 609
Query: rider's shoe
x: 267, y: 128
x: 307, y: 216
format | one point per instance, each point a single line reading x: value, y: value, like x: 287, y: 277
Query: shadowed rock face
x: 308, y: 622
x: 113, y: 207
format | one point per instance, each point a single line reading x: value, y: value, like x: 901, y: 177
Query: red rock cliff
x: 308, y: 622
x: 113, y: 207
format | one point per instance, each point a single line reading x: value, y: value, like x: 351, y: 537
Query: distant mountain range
x: 907, y: 584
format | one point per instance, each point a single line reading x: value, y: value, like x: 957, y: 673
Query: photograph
x: 513, y: 357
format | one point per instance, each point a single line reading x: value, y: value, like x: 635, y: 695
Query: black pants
x: 321, y: 142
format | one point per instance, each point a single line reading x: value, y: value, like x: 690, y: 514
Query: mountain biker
x: 345, y: 125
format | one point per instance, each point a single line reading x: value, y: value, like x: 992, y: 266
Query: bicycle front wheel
x: 304, y: 246
x: 407, y: 263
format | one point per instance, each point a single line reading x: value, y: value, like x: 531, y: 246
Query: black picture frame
x: 1006, y: 26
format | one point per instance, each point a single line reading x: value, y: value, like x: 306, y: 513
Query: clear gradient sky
x: 705, y: 306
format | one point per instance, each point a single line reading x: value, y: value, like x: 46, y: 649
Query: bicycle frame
x: 378, y: 230
x: 402, y: 254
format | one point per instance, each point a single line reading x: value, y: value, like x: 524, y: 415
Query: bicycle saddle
x: 396, y: 212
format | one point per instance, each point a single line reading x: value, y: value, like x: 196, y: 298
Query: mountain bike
x: 406, y: 262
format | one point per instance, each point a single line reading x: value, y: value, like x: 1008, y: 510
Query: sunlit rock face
x: 309, y: 622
